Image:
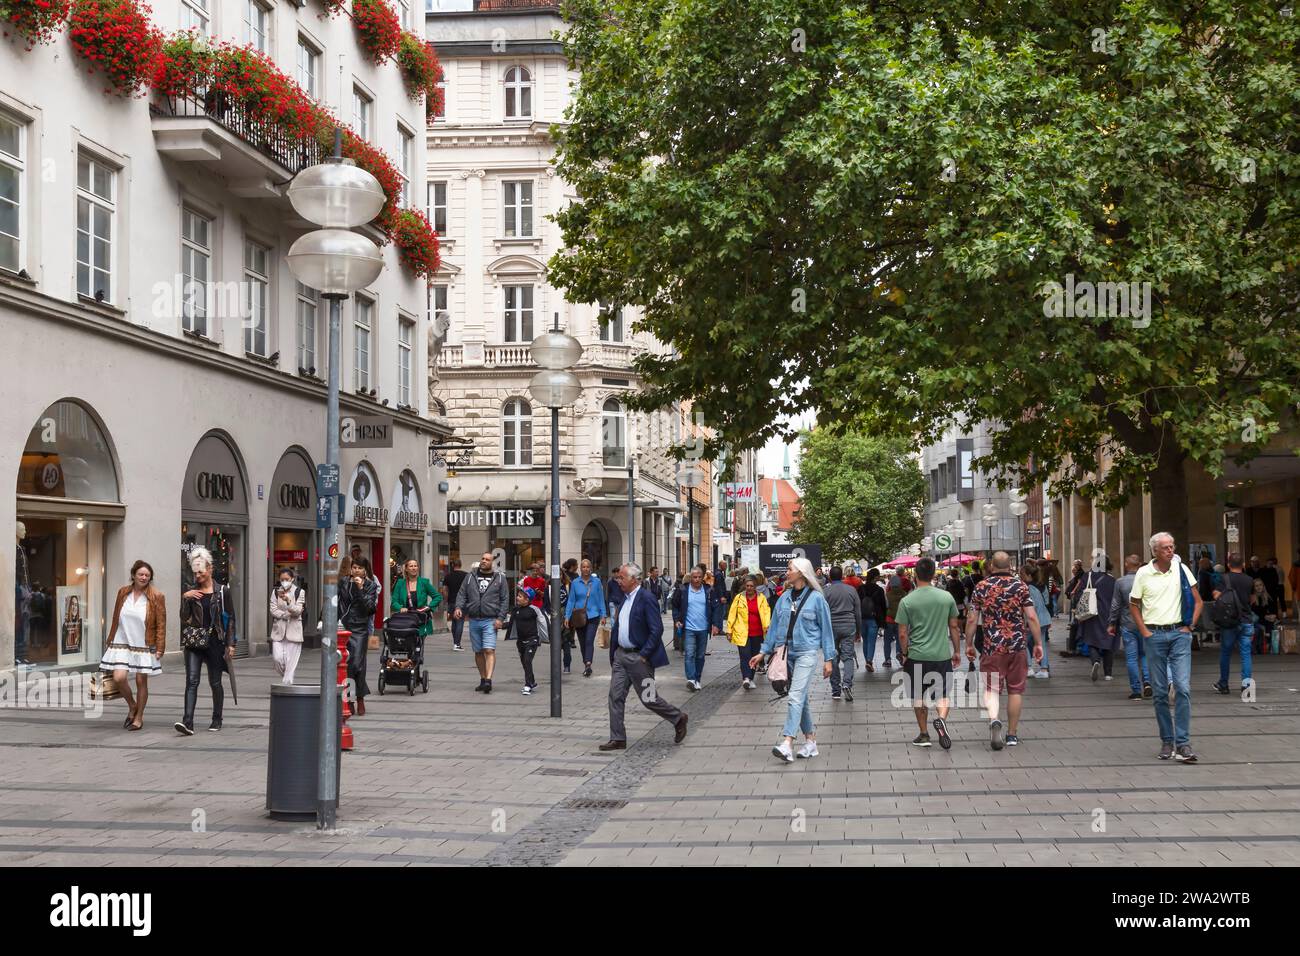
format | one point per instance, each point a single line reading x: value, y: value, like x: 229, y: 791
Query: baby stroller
x: 401, y: 659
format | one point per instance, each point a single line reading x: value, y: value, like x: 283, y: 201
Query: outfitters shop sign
x: 492, y: 517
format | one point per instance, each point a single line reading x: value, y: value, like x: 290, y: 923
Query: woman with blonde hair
x: 802, y: 623
x: 208, y: 637
x: 747, y: 622
x: 136, y: 640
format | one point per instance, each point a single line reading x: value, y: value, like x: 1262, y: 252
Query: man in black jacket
x: 872, y: 596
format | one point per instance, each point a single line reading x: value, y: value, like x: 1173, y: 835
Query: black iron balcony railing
x: 266, y: 136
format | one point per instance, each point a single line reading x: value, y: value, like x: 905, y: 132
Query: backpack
x: 1226, y: 610
x: 778, y: 666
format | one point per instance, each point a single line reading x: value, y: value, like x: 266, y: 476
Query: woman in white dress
x: 136, y: 640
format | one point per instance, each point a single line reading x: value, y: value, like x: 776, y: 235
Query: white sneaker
x: 528, y: 691
x: 697, y: 686
x: 747, y: 684
x: 1044, y: 674
x: 1109, y: 677
x: 782, y: 751
x: 809, y: 749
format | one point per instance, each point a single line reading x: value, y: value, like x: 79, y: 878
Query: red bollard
x: 345, y: 732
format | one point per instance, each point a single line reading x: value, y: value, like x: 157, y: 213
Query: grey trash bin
x: 291, y: 759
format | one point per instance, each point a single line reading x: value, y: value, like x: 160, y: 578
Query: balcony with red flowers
x: 203, y: 123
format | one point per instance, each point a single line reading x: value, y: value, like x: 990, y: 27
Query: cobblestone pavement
x: 456, y: 778
x: 872, y: 798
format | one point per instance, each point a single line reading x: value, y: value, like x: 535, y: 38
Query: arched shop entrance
x: 602, y: 545
x: 214, y: 515
x: 291, y: 532
x: 67, y: 499
x: 408, y: 529
x: 367, y: 519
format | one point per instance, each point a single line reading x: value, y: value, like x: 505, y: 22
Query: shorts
x: 482, y: 634
x: 1005, y: 670
x: 933, y: 679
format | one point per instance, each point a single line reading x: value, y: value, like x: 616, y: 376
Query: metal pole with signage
x: 557, y: 612
x: 327, y: 797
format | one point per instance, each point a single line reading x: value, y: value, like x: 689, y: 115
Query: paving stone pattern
x: 457, y: 778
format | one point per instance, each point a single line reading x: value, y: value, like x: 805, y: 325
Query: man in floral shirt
x: 1003, y: 604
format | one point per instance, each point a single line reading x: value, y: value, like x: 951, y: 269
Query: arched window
x: 516, y: 433
x: 613, y: 434
x: 519, y: 93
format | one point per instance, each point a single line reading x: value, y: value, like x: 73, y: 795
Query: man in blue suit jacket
x: 636, y: 648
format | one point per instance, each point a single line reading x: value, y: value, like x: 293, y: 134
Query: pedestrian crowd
x: 783, y: 626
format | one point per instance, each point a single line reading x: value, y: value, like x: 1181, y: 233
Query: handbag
x: 578, y: 618
x: 196, y: 637
x: 778, y: 665
x: 1086, y: 608
x: 104, y: 687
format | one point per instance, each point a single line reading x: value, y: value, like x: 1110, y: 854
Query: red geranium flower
x: 37, y: 20
x: 117, y: 38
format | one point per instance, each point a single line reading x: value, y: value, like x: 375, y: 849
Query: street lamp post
x: 1018, y: 507
x: 555, y: 387
x: 336, y: 262
x: 689, y: 477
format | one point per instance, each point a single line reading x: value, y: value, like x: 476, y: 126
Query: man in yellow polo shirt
x: 1157, y: 607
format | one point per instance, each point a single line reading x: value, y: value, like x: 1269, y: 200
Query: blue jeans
x: 457, y: 630
x: 798, y: 712
x: 697, y: 643
x: 1029, y: 648
x: 747, y: 652
x: 1170, y: 653
x: 869, y: 628
x: 1241, y: 636
x: 1135, y: 655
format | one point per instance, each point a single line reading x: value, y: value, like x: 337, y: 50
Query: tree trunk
x: 1169, y: 511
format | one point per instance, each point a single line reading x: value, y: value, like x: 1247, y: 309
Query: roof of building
x: 788, y: 500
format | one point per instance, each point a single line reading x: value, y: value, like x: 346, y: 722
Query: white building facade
x: 141, y: 421
x: 491, y: 192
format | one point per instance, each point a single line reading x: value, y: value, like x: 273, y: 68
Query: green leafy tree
x: 862, y: 495
x: 858, y: 208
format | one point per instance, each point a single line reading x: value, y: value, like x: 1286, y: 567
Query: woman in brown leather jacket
x: 136, y: 640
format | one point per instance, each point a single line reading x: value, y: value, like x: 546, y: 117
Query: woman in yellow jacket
x: 747, y: 623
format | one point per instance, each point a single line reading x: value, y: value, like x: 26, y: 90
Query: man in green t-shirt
x: 929, y: 641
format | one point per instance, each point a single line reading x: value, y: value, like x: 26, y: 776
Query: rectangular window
x: 308, y: 66
x: 404, y: 13
x: 196, y: 267
x: 405, y: 342
x: 438, y: 207
x: 257, y: 296
x: 406, y: 161
x: 362, y: 326
x: 611, y: 326
x: 519, y: 313
x: 965, y: 474
x: 12, y: 171
x: 196, y: 15
x: 437, y: 307
x: 362, y: 109
x: 95, y: 213
x: 952, y: 476
x: 519, y: 210
x: 307, y: 309
x: 440, y: 110
x: 257, y: 26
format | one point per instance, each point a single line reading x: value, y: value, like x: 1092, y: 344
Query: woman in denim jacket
x: 812, y: 634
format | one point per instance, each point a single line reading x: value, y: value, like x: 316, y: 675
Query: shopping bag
x: 602, y: 636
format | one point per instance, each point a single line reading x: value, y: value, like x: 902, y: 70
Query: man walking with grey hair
x: 636, y: 648
x: 1165, y: 605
